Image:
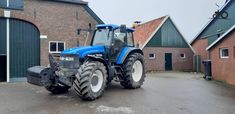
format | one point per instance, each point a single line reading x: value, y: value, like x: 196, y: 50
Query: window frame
x: 221, y: 53
x: 151, y: 58
x: 57, y: 46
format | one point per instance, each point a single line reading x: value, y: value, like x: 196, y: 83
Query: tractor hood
x: 84, y: 51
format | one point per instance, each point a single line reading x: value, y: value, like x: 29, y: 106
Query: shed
x: 222, y: 55
x: 215, y: 28
x: 164, y: 47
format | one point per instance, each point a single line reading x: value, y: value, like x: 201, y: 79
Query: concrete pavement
x: 162, y: 93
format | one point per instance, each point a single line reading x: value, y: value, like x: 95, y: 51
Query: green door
x: 3, y: 50
x: 168, y: 61
x: 24, y: 47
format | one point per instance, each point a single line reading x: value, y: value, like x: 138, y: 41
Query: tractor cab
x: 114, y: 38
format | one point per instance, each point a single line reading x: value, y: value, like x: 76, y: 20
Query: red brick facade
x: 200, y: 46
x: 224, y: 68
x: 57, y: 20
x: 178, y: 63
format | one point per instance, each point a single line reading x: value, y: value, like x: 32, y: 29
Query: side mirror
x: 123, y: 29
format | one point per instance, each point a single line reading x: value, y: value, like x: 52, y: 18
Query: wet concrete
x: 162, y: 93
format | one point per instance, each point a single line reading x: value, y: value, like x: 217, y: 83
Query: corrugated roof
x: 221, y: 38
x: 145, y: 31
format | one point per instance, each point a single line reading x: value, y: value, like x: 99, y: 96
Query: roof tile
x: 145, y: 30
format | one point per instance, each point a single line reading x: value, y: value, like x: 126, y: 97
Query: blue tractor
x: 89, y: 69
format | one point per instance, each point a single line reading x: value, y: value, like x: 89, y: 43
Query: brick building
x: 222, y: 55
x: 215, y: 28
x: 164, y: 46
x: 36, y: 28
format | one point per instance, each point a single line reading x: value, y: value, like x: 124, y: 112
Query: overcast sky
x: 189, y: 15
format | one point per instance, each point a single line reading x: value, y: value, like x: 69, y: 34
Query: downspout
x: 8, y: 41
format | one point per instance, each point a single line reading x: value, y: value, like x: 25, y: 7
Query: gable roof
x: 210, y: 21
x: 85, y: 6
x: 145, y: 32
x: 93, y: 14
x: 221, y: 38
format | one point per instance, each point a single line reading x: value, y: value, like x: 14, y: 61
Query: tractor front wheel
x: 134, y: 71
x: 91, y: 80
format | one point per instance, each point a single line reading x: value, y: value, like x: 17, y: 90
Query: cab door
x: 118, y: 43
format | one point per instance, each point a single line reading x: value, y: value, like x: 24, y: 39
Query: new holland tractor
x: 89, y: 69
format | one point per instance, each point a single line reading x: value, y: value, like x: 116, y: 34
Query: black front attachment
x: 39, y: 75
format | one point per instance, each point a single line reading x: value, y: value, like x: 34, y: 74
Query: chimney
x: 136, y: 23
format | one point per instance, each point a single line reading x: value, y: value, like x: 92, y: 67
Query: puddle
x: 108, y: 109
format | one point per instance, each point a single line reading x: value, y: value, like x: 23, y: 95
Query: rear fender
x: 125, y: 53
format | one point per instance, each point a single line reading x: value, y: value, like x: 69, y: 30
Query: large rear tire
x: 57, y: 89
x: 134, y: 71
x: 91, y: 80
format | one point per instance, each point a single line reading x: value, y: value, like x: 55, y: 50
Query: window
x: 119, y: 39
x: 102, y: 37
x: 224, y: 53
x: 56, y: 46
x: 13, y: 4
x: 182, y: 55
x: 118, y: 35
x: 130, y: 39
x: 152, y: 56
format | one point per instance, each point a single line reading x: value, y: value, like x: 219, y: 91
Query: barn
x: 215, y: 28
x: 222, y: 56
x: 31, y: 29
x: 164, y: 47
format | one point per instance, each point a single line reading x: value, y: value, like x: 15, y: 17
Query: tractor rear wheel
x: 57, y: 89
x: 134, y: 71
x: 91, y: 80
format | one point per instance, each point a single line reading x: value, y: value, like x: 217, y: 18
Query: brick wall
x: 200, y: 49
x: 224, y: 69
x: 59, y: 21
x: 178, y: 63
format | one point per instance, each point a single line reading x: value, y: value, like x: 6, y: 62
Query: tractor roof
x: 112, y: 26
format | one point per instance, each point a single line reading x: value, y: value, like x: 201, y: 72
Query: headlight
x: 66, y: 58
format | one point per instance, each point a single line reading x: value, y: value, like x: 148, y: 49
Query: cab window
x: 119, y: 36
x: 130, y: 39
x: 119, y: 39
